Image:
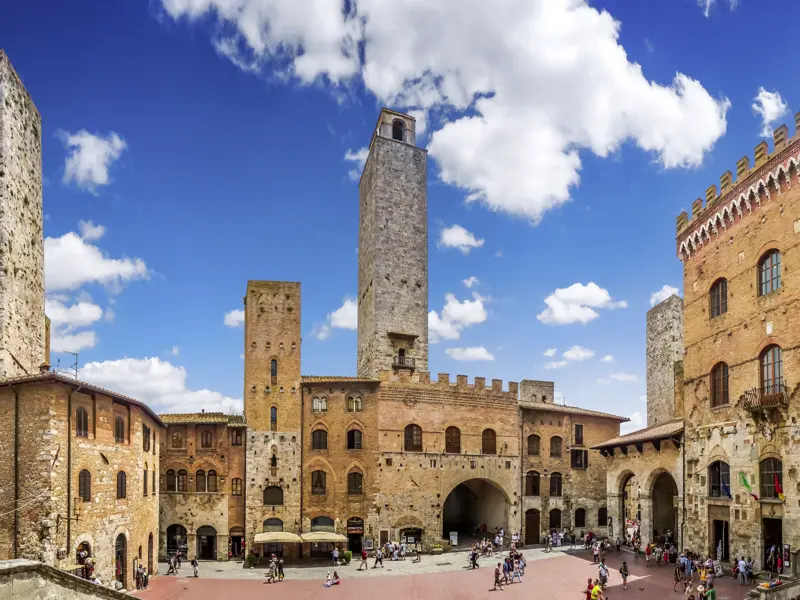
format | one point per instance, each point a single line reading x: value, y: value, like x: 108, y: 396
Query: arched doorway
x: 121, y: 559
x: 630, y: 509
x: 474, y: 503
x: 235, y: 539
x: 207, y: 543
x: 555, y: 520
x: 355, y: 533
x: 665, y: 514
x: 150, y: 555
x: 176, y: 540
x: 533, y: 526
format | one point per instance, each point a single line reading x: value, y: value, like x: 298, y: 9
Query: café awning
x: 277, y: 537
x: 323, y: 536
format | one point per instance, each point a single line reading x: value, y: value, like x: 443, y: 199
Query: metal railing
x: 404, y: 361
x: 772, y: 396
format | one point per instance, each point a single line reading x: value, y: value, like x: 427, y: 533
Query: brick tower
x: 393, y: 250
x: 272, y: 406
x: 22, y: 321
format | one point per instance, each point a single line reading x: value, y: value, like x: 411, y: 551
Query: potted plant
x: 436, y: 549
x: 347, y: 555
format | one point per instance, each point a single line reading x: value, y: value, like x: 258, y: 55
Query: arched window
x: 718, y: 298
x: 772, y: 370
x: 273, y: 368
x: 205, y: 439
x: 273, y: 524
x: 318, y: 483
x: 236, y: 437
x: 533, y: 445
x: 719, y: 385
x: 398, y: 130
x: 85, y: 485
x: 355, y: 482
x: 144, y: 481
x: 122, y: 485
x: 119, y: 430
x: 171, y: 480
x: 236, y: 487
x: 200, y: 481
x: 555, y: 519
x: 413, y: 438
x: 177, y: 439
x: 602, y: 517
x: 489, y: 442
x: 532, y: 481
x: 212, y: 481
x: 555, y: 485
x: 273, y: 496
x: 319, y: 404
x: 273, y: 460
x: 354, y: 438
x: 273, y: 418
x: 770, y: 473
x: 719, y: 480
x: 452, y: 440
x: 182, y: 480
x: 555, y: 447
x: 769, y: 273
x: 81, y: 422
x: 319, y: 439
x: 355, y: 404
x: 580, y: 517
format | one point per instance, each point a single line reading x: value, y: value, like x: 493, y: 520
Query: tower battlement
x: 735, y: 199
x: 443, y: 380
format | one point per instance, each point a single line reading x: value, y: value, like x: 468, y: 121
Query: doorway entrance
x: 473, y: 504
x: 120, y: 559
x: 665, y: 515
x: 773, y: 536
x: 533, y: 527
x: 176, y: 540
x: 150, y: 555
x: 207, y: 543
x: 236, y: 535
x: 355, y: 534
x: 721, y: 549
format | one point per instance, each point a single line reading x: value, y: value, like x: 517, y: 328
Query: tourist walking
x: 195, y: 567
x: 364, y: 556
x: 517, y: 573
x: 281, y: 575
x: 497, y: 581
x: 603, y: 572
x: 335, y: 554
x: 624, y: 573
x: 378, y: 558
x: 597, y: 591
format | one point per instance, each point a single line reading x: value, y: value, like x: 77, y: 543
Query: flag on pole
x: 743, y: 479
x: 778, y: 487
x: 726, y: 490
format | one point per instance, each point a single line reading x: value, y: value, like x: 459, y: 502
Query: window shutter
x: 585, y: 459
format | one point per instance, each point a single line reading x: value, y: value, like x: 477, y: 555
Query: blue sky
x: 204, y: 143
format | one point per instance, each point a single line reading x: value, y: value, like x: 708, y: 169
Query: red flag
x: 778, y: 487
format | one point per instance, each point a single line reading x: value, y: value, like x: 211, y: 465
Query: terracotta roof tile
x: 218, y: 418
x: 572, y: 410
x: 324, y: 378
x: 656, y: 432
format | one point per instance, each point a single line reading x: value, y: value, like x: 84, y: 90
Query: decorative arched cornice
x: 356, y: 424
x: 320, y: 463
x: 717, y: 454
x: 84, y: 537
x: 319, y: 424
x: 357, y: 465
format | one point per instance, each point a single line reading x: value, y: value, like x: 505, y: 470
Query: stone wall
x: 664, y: 353
x: 22, y: 324
x: 29, y: 580
x: 393, y: 255
x: 531, y: 391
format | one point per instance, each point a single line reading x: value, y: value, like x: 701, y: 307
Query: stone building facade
x: 22, y: 320
x: 664, y: 361
x: 201, y: 511
x: 741, y: 360
x: 79, y: 464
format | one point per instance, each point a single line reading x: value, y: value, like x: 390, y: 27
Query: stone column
x: 646, y: 525
x: 613, y: 502
x: 191, y: 543
x: 162, y: 546
x: 222, y: 547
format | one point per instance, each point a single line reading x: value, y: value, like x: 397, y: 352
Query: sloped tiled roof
x: 218, y: 418
x: 656, y: 432
x: 82, y: 386
x: 325, y: 378
x: 572, y: 410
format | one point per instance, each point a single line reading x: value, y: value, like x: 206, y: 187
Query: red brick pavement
x: 558, y: 578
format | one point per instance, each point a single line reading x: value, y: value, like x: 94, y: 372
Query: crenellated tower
x: 393, y: 251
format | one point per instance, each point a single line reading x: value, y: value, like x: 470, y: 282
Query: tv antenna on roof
x: 72, y: 369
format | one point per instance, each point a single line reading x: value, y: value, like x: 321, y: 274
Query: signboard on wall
x: 454, y: 538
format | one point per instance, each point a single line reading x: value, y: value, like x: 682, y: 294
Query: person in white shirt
x: 742, y: 567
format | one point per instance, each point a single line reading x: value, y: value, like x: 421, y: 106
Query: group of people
x: 174, y: 564
x: 142, y: 578
x: 275, y: 570
x: 511, y: 569
x: 689, y: 568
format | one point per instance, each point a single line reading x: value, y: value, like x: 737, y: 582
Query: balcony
x: 404, y: 362
x: 774, y: 396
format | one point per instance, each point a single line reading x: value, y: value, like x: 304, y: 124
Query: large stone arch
x: 475, y: 501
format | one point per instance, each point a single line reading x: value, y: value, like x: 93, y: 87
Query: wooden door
x: 532, y: 527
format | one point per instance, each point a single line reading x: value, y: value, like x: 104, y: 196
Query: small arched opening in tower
x: 398, y: 130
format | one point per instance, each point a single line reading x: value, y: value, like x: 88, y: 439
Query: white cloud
x: 62, y: 341
x: 344, y: 317
x: 549, y: 353
x: 159, y: 383
x: 91, y: 232
x: 576, y: 304
x: 234, y: 318
x: 578, y: 353
x: 707, y: 4
x: 636, y: 422
x: 665, y: 292
x: 175, y: 351
x: 90, y: 157
x: 607, y: 358
x: 770, y: 106
x: 80, y: 314
x: 556, y: 364
x: 510, y: 81
x: 558, y: 398
x: 619, y: 378
x: 421, y: 119
x: 470, y: 281
x: 455, y: 317
x: 359, y: 157
x: 472, y: 353
x: 458, y: 237
x: 70, y: 262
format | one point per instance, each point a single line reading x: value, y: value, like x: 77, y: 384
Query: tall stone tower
x: 272, y: 403
x: 22, y: 320
x: 393, y: 250
x: 665, y: 361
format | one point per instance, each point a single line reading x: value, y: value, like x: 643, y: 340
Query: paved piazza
x: 550, y: 576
